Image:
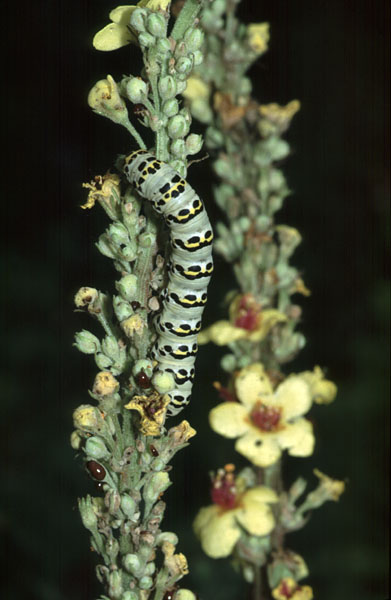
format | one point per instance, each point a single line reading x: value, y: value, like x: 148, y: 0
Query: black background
x: 334, y: 57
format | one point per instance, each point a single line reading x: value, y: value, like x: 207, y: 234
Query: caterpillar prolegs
x: 190, y: 268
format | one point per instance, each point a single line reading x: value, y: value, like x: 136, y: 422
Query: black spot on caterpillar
x: 190, y: 268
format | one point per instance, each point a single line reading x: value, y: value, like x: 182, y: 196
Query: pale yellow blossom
x: 266, y: 422
x: 258, y: 36
x: 332, y: 489
x: 134, y: 324
x: 85, y: 296
x: 323, y: 391
x: 196, y: 89
x: 105, y: 383
x: 289, y: 588
x: 152, y: 410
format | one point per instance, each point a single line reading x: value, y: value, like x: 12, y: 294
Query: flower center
x: 287, y: 590
x: 265, y: 417
x: 248, y: 314
x: 224, y: 492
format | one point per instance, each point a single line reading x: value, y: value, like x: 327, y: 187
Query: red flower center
x: 224, y: 489
x: 266, y: 417
x: 286, y: 591
x: 248, y: 314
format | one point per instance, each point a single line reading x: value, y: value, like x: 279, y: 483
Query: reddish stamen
x: 265, y: 417
x: 224, y: 490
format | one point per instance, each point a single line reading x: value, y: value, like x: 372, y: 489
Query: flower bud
x: 150, y: 568
x: 132, y: 564
x: 167, y: 87
x: 105, y: 384
x: 110, y: 347
x: 194, y: 39
x: 146, y: 39
x: 137, y: 90
x: 87, y: 513
x: 193, y: 143
x: 157, y: 464
x: 76, y: 440
x: 115, y: 585
x: 163, y: 47
x: 122, y: 309
x: 102, y: 361
x: 157, y: 25
x: 170, y: 107
x: 87, y: 418
x: 181, y: 86
x: 184, y: 65
x: 138, y: 18
x: 198, y: 58
x: 104, y: 99
x: 86, y: 342
x: 228, y: 362
x: 163, y: 382
x: 184, y: 594
x: 130, y: 596
x: 104, y: 246
x: 118, y: 233
x: 155, y: 486
x: 177, y: 127
x: 179, y: 166
x: 178, y: 148
x: 145, y: 583
x: 128, y: 505
x: 127, y: 287
x: 95, y: 448
x: 167, y: 536
x: 143, y: 365
x: 146, y: 239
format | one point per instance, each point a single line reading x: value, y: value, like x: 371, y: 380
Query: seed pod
x: 167, y: 87
x: 156, y: 25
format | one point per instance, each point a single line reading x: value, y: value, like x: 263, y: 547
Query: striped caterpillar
x: 189, y: 269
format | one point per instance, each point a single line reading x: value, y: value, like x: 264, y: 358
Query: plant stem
x: 186, y: 18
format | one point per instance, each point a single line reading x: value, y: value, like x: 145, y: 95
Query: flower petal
x: 251, y: 384
x: 111, y: 37
x: 262, y: 494
x: 261, y: 449
x: 257, y: 518
x: 121, y: 14
x: 221, y: 333
x: 294, y: 396
x: 268, y: 318
x: 229, y: 419
x: 298, y: 438
x: 217, y: 530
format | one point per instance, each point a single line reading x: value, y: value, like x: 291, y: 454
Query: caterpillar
x: 189, y: 269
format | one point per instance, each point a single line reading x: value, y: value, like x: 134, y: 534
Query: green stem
x: 134, y: 133
x: 186, y: 18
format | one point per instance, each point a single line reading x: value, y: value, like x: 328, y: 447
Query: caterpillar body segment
x: 190, y: 268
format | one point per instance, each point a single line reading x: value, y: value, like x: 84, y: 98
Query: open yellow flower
x: 266, y: 422
x: 118, y: 34
x: 247, y: 321
x: 219, y: 526
x: 288, y: 588
x: 323, y: 391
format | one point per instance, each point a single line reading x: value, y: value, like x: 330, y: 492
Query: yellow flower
x: 266, y: 422
x: 289, y: 588
x: 87, y: 418
x: 247, y: 321
x: 180, y: 434
x: 152, y: 410
x: 258, y: 36
x: 219, y: 526
x: 323, y: 391
x: 85, y: 296
x: 117, y: 34
x: 279, y: 116
x: 134, y: 324
x: 105, y: 384
x: 332, y: 489
x: 101, y: 188
x: 196, y: 89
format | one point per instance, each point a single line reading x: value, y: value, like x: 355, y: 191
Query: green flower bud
x: 157, y: 464
x: 150, y: 568
x: 112, y: 549
x: 177, y: 127
x: 87, y: 513
x: 110, y: 347
x: 163, y: 382
x: 115, y: 585
x: 127, y: 286
x: 214, y: 138
x: 122, y: 308
x: 102, y: 361
x: 198, y: 58
x: 181, y: 86
x: 145, y: 583
x: 118, y: 233
x: 104, y: 246
x: 163, y: 46
x: 146, y: 240
x: 137, y: 90
x: 167, y: 536
x: 194, y: 39
x: 128, y: 505
x: 201, y: 110
x: 132, y: 564
x: 193, y: 143
x: 178, y: 148
x: 228, y: 362
x: 95, y: 448
x: 104, y: 98
x: 138, y: 18
x: 244, y: 223
x: 263, y: 223
x: 167, y: 87
x: 245, y: 86
x: 170, y: 107
x: 76, y: 440
x: 143, y: 365
x: 130, y: 596
x: 157, y: 25
x: 146, y: 39
x: 156, y: 485
x: 86, y: 342
x: 179, y: 166
x: 184, y: 594
x: 184, y: 65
